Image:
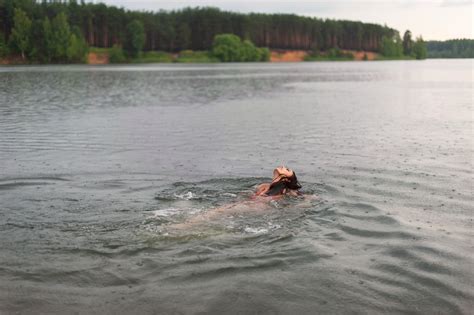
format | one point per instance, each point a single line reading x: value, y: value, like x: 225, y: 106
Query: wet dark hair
x: 276, y: 189
x: 293, y: 183
x: 286, y: 182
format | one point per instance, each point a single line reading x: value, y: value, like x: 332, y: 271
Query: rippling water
x: 126, y: 189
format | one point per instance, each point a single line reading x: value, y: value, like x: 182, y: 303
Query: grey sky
x: 434, y: 19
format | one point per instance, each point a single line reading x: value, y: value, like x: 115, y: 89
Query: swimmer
x: 284, y: 182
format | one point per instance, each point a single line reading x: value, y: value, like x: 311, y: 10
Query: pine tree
x: 407, y: 43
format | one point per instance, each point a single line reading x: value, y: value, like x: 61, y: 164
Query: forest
x: 60, y: 31
x: 454, y: 48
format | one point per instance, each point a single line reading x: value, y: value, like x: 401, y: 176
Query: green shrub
x: 249, y: 51
x: 333, y: 54
x: 229, y: 48
x: 392, y: 47
x: 186, y: 53
x: 77, y: 49
x: 336, y: 53
x: 264, y: 54
x: 4, y: 51
x: 116, y: 54
x: 153, y: 57
x: 419, y: 49
x: 189, y: 56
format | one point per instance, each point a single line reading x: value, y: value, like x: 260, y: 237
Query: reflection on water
x: 112, y: 182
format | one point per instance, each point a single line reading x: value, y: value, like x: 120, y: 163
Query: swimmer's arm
x: 262, y: 189
x: 214, y: 213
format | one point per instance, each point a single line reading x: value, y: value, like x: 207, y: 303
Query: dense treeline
x: 454, y: 48
x: 195, y: 28
x: 44, y: 40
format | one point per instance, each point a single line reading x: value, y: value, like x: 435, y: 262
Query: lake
x: 104, y: 170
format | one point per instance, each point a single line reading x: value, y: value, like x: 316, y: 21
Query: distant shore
x: 100, y: 56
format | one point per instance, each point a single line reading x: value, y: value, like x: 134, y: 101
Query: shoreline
x: 100, y: 56
x: 291, y: 55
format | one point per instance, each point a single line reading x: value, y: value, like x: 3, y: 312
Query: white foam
x: 255, y: 230
x: 187, y: 196
x: 229, y: 195
x: 273, y: 226
x: 173, y: 211
x: 164, y: 212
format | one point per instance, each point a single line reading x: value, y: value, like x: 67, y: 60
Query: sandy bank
x: 281, y: 55
x: 95, y: 58
x: 12, y: 60
x: 359, y: 55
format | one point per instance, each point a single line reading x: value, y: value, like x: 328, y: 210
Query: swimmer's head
x: 286, y: 175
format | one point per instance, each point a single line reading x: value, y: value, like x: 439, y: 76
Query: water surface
x: 102, y: 166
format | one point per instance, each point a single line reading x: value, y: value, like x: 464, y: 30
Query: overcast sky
x: 434, y: 19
